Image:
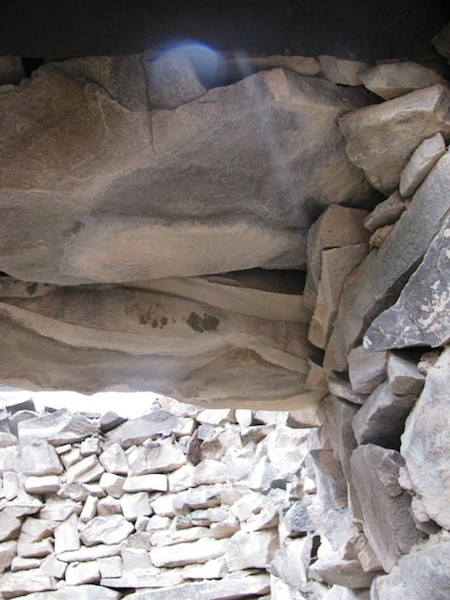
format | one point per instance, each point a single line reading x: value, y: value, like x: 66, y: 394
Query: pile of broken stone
x: 176, y: 503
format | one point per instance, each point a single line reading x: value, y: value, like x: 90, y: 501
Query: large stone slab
x: 271, y: 141
x: 378, y: 281
x: 79, y: 592
x: 386, y: 507
x: 421, y: 575
x: 421, y: 315
x: 61, y: 427
x: 401, y: 125
x: 426, y: 441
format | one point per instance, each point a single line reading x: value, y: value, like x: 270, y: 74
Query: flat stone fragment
x: 421, y: 315
x: 7, y: 553
x: 156, y: 457
x: 199, y: 551
x: 381, y: 419
x: 48, y: 484
x: 136, y: 431
x: 79, y: 573
x: 114, y: 460
x: 109, y: 506
x: 25, y: 582
x: 337, y: 264
x: 390, y: 80
x: 336, y: 570
x: 40, y: 458
x: 9, y: 524
x: 421, y: 575
x: 386, y: 212
x: 420, y: 164
x: 85, y: 471
x: 401, y: 125
x: 168, y: 538
x: 110, y: 420
x: 89, y: 554
x: 342, y: 71
x: 248, y: 550
x: 79, y: 592
x: 228, y: 587
x: 426, y: 443
x: 61, y: 427
x: 106, y: 530
x: 366, y: 370
x: 382, y: 275
x: 146, y: 483
x: 57, y: 509
x: 113, y: 484
x: 288, y: 563
x: 67, y: 536
x: 135, y: 505
x: 386, y: 507
x: 25, y: 564
x: 403, y: 375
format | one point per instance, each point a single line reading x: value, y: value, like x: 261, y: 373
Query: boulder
x: 401, y: 125
x: 386, y: 507
x: 393, y: 79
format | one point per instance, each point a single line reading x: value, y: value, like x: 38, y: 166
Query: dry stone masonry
x: 275, y: 241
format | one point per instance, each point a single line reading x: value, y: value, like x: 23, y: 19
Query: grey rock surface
x: 420, y: 164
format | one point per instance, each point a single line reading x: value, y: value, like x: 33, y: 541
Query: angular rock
x: 184, y: 554
x: 85, y: 471
x: 135, y: 505
x: 386, y: 212
x: 425, y: 443
x: 380, y: 278
x: 113, y: 484
x: 9, y: 524
x: 61, y: 427
x: 71, y: 456
x: 248, y: 550
x: 181, y: 479
x: 420, y: 164
x: 340, y: 387
x: 336, y: 570
x: 66, y: 536
x: 80, y: 592
x: 390, y: 80
x: 366, y: 370
x: 286, y: 449
x: 108, y: 506
x: 155, y: 457
x: 25, y: 582
x: 421, y: 575
x: 54, y: 567
x: 48, y: 484
x: 209, y: 471
x: 403, y: 375
x: 110, y: 420
x: 85, y: 572
x: 56, y: 509
x: 387, y: 519
x: 36, y: 529
x: 40, y: 458
x: 140, y: 429
x: 342, y: 71
x: 85, y: 554
x: 110, y: 566
x: 25, y: 564
x: 105, y: 530
x: 90, y: 446
x: 113, y: 459
x: 337, y: 264
x: 7, y: 553
x: 146, y: 483
x: 288, y: 563
x: 168, y: 538
x: 381, y: 419
x: 378, y: 238
x: 401, y: 125
x: 297, y: 521
x: 9, y: 459
x: 421, y: 315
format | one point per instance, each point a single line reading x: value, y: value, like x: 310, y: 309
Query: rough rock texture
x: 401, y: 125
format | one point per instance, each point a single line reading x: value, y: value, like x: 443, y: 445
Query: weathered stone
x: 110, y: 566
x: 340, y: 387
x: 110, y: 420
x: 155, y: 457
x: 113, y: 484
x: 420, y: 164
x: 288, y: 563
x: 286, y: 449
x: 147, y: 483
x: 421, y: 315
x: 25, y: 564
x: 401, y: 125
x: 336, y: 570
x: 11, y: 70
x: 403, y: 375
x: 56, y: 509
x: 181, y: 479
x: 297, y: 521
x: 113, y: 459
x: 90, y: 446
x: 25, y: 582
x: 36, y: 529
x: 387, y: 519
x: 7, y: 553
x: 9, y: 459
x: 248, y: 550
x: 79, y: 592
x: 61, y: 427
x: 381, y: 420
x: 225, y: 528
x: 40, y: 458
x: 10, y: 485
x: 7, y: 439
x: 366, y: 370
x: 9, y: 524
x: 386, y: 212
x: 24, y: 504
x: 168, y: 538
x: 378, y: 238
x: 48, y: 484
x: 390, y: 80
x: 54, y: 567
x: 163, y: 506
x: 199, y: 551
x: 337, y: 592
x: 109, y: 506
x: 342, y: 71
x: 337, y: 227
x: 421, y: 575
x: 379, y: 279
x: 425, y: 442
x: 85, y: 572
x: 86, y: 470
x: 135, y: 505
x: 85, y: 554
x: 337, y: 264
x: 66, y: 536
x: 71, y: 456
x: 106, y: 530
x: 200, y: 497
x: 140, y: 429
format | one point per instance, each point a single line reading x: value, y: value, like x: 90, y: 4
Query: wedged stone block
x: 386, y: 212
x: 342, y: 71
x: 40, y: 458
x: 420, y: 164
x: 61, y: 427
x: 366, y: 370
x: 386, y: 507
x: 403, y: 375
x: 106, y: 530
x: 401, y: 125
x: 177, y: 555
x: 248, y: 550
